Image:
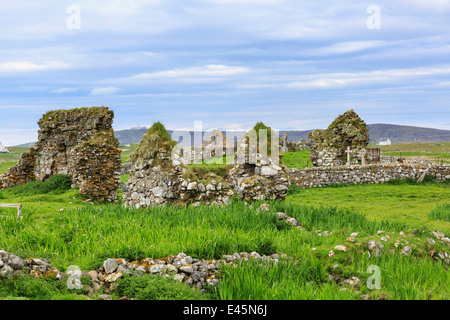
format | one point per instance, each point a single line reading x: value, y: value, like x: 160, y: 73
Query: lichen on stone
x: 154, y: 141
x: 347, y: 130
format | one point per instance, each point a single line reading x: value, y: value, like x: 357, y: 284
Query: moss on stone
x: 347, y: 130
x: 155, y: 139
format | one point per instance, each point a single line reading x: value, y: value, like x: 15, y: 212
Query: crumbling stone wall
x: 163, y: 178
x: 374, y: 173
x: 79, y: 143
x: 216, y: 145
x: 22, y: 172
x: 347, y: 130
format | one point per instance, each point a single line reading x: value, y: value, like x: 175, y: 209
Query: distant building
x: 385, y: 143
x: 3, y: 148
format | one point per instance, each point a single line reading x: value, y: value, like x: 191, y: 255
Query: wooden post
x: 12, y: 205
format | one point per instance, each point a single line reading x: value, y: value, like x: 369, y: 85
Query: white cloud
x: 104, y: 91
x: 204, y: 71
x: 348, y: 47
x: 24, y: 66
x: 337, y: 80
x: 64, y: 90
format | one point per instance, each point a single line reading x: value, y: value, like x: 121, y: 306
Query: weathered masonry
x: 374, y: 173
x: 79, y: 143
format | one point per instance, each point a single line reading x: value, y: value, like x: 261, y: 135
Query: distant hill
x: 377, y: 132
x: 406, y: 134
x: 27, y: 145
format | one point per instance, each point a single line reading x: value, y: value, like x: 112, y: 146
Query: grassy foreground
x: 85, y: 235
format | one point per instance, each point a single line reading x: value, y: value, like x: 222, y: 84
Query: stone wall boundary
x: 373, y: 173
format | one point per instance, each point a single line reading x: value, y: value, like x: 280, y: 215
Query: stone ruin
x: 329, y: 146
x: 159, y: 176
x: 216, y: 145
x: 79, y: 143
x: 289, y: 146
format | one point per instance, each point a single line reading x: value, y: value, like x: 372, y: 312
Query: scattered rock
x: 110, y: 266
x: 341, y: 248
x: 372, y: 244
x: 407, y: 250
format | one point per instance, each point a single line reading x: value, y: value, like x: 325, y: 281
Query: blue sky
x: 228, y: 63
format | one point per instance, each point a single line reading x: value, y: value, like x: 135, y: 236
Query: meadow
x: 61, y: 226
x: 427, y: 151
x: 8, y: 160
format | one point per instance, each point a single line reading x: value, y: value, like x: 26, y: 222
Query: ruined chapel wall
x: 79, y: 143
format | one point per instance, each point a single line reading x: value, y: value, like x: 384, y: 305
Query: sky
x: 295, y: 65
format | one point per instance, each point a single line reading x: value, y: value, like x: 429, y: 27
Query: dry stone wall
x: 79, y: 143
x: 375, y: 173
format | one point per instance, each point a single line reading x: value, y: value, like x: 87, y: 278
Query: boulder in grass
x: 15, y: 262
x: 110, y: 266
x: 406, y: 250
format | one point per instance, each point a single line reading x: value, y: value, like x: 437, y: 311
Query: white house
x: 385, y: 143
x: 3, y: 148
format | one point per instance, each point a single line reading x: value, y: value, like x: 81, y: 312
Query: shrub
x: 57, y: 183
x: 35, y: 288
x: 293, y: 189
x: 155, y: 287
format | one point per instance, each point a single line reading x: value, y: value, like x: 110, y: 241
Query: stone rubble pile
x: 193, y: 272
x: 198, y: 273
x: 12, y: 264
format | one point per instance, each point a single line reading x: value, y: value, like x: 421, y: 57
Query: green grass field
x: 126, y: 151
x: 62, y: 227
x: 67, y: 231
x: 427, y: 151
x: 8, y: 160
x: 407, y: 204
x: 298, y: 159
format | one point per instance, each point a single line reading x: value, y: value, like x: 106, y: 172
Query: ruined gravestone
x: 79, y: 143
x: 330, y: 146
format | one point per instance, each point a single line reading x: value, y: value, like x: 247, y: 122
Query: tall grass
x: 287, y: 280
x: 441, y: 212
x: 89, y: 235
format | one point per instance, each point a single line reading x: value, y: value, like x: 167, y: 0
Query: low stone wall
x: 375, y: 173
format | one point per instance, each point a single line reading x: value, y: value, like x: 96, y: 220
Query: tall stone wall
x: 79, y: 143
x: 374, y: 173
